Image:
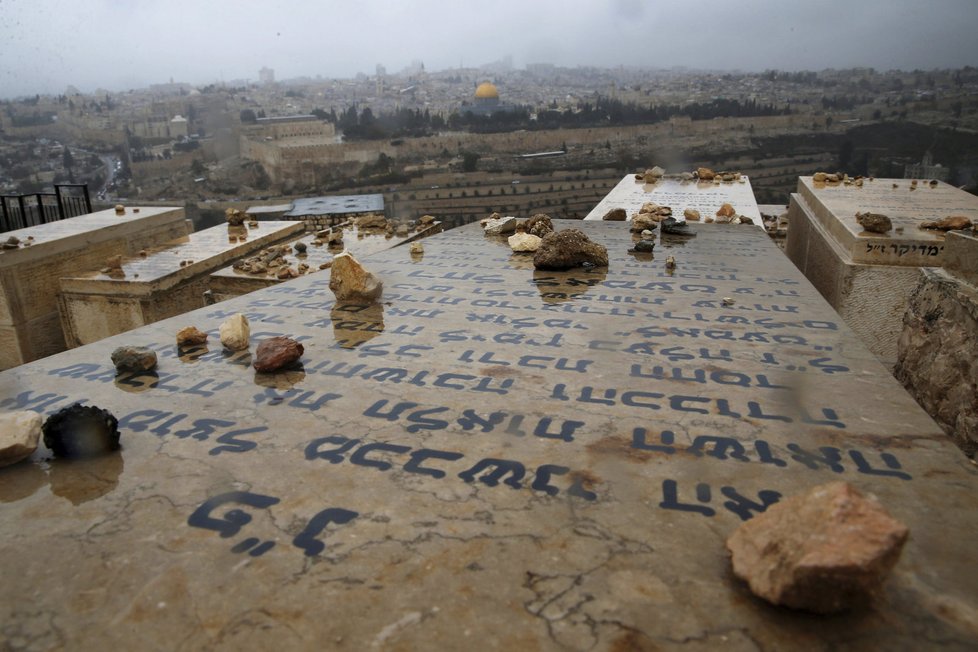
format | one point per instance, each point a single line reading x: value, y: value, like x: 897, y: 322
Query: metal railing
x: 22, y: 211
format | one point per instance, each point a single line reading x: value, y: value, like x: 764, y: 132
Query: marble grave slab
x: 492, y: 457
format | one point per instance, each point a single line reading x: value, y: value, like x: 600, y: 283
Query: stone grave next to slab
x: 30, y: 327
x: 867, y: 277
x: 490, y: 457
x: 230, y: 282
x: 164, y: 282
x: 705, y: 196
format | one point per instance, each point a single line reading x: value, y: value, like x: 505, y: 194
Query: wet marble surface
x: 493, y: 458
x: 170, y: 264
x: 835, y: 206
x: 705, y: 196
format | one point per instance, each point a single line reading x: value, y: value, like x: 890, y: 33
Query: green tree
x: 69, y: 161
x: 469, y: 161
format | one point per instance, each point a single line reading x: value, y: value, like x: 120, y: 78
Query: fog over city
x: 120, y: 44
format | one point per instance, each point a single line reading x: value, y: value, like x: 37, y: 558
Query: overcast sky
x: 120, y: 44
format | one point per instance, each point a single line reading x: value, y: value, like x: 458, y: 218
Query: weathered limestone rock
x: 402, y: 230
x: 654, y: 174
x: 277, y: 352
x: 190, y: 335
x: 874, y: 222
x: 300, y: 247
x: 825, y: 551
x: 936, y: 359
x: 120, y: 209
x: 615, y: 215
x: 349, y: 281
x: 951, y: 223
x: 134, y: 358
x: 692, y: 214
x: 500, y: 225
x: 539, y: 225
x: 819, y: 177
x: 524, y: 242
x: 235, y: 333
x: 567, y: 249
x: 643, y: 222
x: 643, y: 246
x: 426, y: 219
x: 671, y: 262
x: 81, y: 431
x: 19, y: 434
x: 417, y: 248
x: 235, y: 217
x: 726, y: 211
x: 372, y: 222
x: 335, y: 237
x: 705, y: 174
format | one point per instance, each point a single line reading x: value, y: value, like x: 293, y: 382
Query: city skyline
x: 47, y: 45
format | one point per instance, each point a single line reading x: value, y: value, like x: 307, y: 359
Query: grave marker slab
x: 867, y: 277
x: 492, y: 454
x: 29, y: 324
x: 230, y: 282
x: 704, y: 196
x: 168, y: 281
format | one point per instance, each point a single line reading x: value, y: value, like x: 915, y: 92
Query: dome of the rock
x: 486, y: 91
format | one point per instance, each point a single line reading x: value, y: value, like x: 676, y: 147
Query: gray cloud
x: 119, y: 44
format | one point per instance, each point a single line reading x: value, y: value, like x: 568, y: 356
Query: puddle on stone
x: 283, y: 378
x: 21, y: 480
x: 83, y: 480
x: 559, y: 287
x: 190, y: 354
x: 354, y: 325
x: 135, y: 382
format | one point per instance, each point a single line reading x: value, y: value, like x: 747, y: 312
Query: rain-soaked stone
x: 19, y: 433
x: 134, y: 358
x: 81, y: 431
x: 235, y: 333
x: 826, y: 550
x: 567, y: 249
x: 277, y: 352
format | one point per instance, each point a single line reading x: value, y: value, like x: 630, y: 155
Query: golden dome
x: 486, y: 91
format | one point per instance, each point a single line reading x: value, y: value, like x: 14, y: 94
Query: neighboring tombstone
x: 867, y: 277
x: 236, y: 280
x: 167, y: 281
x: 704, y: 196
x: 29, y: 324
x: 491, y: 455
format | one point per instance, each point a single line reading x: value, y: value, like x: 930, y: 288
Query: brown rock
x: 539, y: 225
x: 120, y: 209
x: 19, y: 434
x: 643, y: 222
x: 417, y: 248
x: 692, y: 214
x: 706, y: 174
x: 190, y: 335
x: 951, y: 223
x: 615, y: 215
x: 114, y: 262
x: 277, y: 352
x: 726, y: 211
x: 349, y: 281
x: 426, y: 219
x: 874, y: 222
x: 235, y: 217
x: 649, y: 207
x: 826, y: 550
x: 819, y: 177
x: 567, y: 249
